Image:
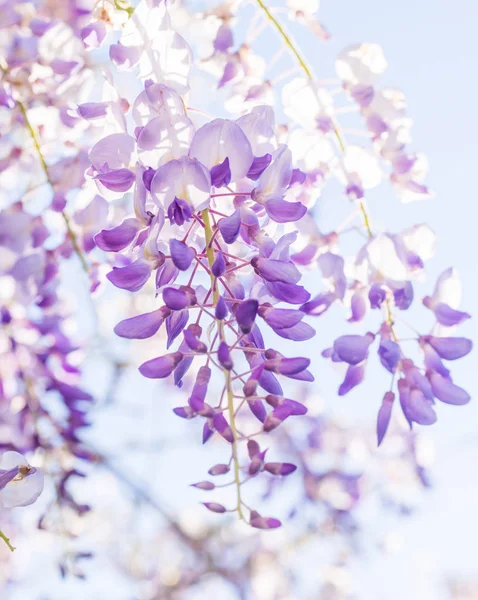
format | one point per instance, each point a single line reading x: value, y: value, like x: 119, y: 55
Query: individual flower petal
x: 26, y: 487
x: 246, y: 314
x: 182, y: 178
x: 223, y: 427
x: 221, y: 174
x: 276, y: 270
x: 178, y: 299
x: 115, y: 150
x: 263, y: 522
x: 224, y: 356
x: 132, y: 277
x: 219, y: 469
x: 282, y: 211
x: 450, y: 348
x: 219, y: 265
x: 415, y: 406
x: 297, y: 333
x: 215, y: 507
x: 353, y: 349
x: 204, y: 485
x: 179, y: 211
x: 142, y: 326
x: 278, y: 468
x: 119, y: 180
x: 446, y: 391
x: 193, y: 342
x: 288, y: 292
x: 175, y: 324
x: 287, y: 366
x: 221, y: 309
x: 182, y: 255
x: 384, y: 415
x: 353, y: 378
x: 116, y: 239
x: 281, y: 318
x: 221, y: 139
x: 389, y: 354
x: 160, y: 367
x: 230, y: 227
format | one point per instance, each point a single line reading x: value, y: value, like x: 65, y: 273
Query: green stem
x: 41, y: 158
x: 7, y: 541
x: 227, y: 375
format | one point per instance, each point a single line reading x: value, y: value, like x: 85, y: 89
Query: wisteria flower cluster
x: 212, y: 219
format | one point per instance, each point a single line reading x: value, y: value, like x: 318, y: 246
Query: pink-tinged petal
x: 257, y: 408
x: 116, y: 239
x: 282, y: 211
x: 450, y: 348
x: 278, y: 468
x: 445, y: 390
x: 160, y: 367
x: 132, y: 277
x: 204, y: 485
x: 230, y: 227
x: 219, y: 469
x: 353, y: 378
x: 223, y: 427
x: 142, y: 326
x: 384, y: 415
x: 119, y: 180
x: 215, y: 507
x: 221, y: 139
x: 115, y: 150
x: 207, y: 432
x: 263, y: 522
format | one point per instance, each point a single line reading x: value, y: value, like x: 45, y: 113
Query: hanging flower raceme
x: 205, y: 200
